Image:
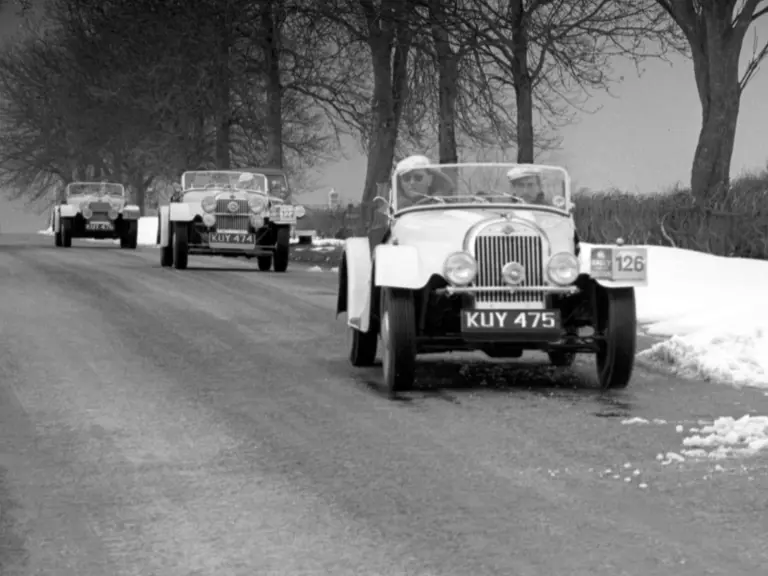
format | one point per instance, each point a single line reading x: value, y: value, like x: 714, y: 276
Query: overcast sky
x: 642, y: 140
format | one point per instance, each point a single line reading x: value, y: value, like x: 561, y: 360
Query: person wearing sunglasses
x: 419, y: 181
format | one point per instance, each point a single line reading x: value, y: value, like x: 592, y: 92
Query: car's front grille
x: 100, y: 206
x: 226, y: 220
x: 493, y: 252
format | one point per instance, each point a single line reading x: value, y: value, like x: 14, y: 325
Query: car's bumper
x: 249, y: 251
x: 508, y: 289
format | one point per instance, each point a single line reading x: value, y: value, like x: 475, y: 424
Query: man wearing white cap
x: 526, y: 185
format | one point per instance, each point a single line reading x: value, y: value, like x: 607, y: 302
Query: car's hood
x: 78, y: 199
x: 437, y: 233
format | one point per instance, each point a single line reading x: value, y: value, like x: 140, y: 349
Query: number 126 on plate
x: 628, y: 263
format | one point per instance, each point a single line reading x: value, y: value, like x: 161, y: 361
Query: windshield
x: 96, y: 189
x: 480, y: 183
x: 226, y: 179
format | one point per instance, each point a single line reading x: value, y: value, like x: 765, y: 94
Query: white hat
x: 518, y: 172
x: 412, y: 163
x: 245, y: 177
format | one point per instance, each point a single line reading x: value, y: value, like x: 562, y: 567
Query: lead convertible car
x: 486, y: 257
x: 96, y: 210
x: 227, y: 213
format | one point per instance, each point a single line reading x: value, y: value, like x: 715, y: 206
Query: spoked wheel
x: 398, y: 339
x: 617, y: 327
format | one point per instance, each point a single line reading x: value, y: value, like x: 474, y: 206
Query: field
x: 736, y: 224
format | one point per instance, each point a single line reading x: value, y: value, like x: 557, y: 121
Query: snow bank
x: 147, y: 231
x: 711, y: 310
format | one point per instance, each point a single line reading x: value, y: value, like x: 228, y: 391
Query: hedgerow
x: 736, y: 224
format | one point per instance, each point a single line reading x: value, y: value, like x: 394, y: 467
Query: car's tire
x: 166, y: 254
x: 65, y: 229
x: 616, y: 319
x: 282, y: 249
x: 362, y: 345
x: 397, y: 330
x: 561, y: 359
x: 180, y: 245
x: 129, y: 235
x: 264, y: 262
x: 57, y: 238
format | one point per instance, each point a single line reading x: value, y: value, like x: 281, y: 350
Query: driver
x: 526, y: 186
x: 416, y: 181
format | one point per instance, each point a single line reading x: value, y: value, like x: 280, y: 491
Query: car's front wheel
x: 398, y: 339
x: 129, y: 235
x: 616, y: 320
x: 362, y: 345
x: 180, y: 245
x: 264, y: 262
x: 282, y: 249
x: 65, y: 229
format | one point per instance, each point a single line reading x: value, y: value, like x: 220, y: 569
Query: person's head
x: 526, y: 186
x: 414, y: 178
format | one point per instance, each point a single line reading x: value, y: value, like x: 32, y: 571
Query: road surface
x: 206, y: 422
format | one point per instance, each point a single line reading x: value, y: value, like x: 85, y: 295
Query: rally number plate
x: 621, y: 264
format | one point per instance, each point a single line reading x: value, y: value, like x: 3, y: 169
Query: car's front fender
x: 68, y: 211
x: 615, y: 266
x: 164, y: 226
x: 355, y: 283
x: 181, y: 212
x: 398, y: 267
x: 131, y: 212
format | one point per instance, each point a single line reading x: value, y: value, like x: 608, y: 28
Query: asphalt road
x: 206, y: 422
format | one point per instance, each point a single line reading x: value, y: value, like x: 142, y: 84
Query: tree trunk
x: 390, y: 72
x: 274, y: 89
x: 223, y: 92
x: 448, y: 85
x: 717, y: 79
x: 521, y: 76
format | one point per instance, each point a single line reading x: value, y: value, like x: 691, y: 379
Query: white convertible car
x: 227, y: 213
x: 96, y: 210
x: 486, y: 257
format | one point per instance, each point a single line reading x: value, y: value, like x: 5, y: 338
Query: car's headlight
x: 85, y: 208
x: 257, y: 221
x: 460, y: 268
x: 300, y: 211
x: 256, y: 204
x: 208, y: 204
x: 112, y: 214
x: 563, y: 268
x: 209, y: 219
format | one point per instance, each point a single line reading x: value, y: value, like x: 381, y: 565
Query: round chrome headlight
x: 460, y: 268
x: 209, y: 219
x: 300, y: 211
x: 257, y: 221
x: 86, y: 210
x: 208, y: 204
x: 513, y: 273
x: 257, y: 204
x: 112, y: 214
x: 563, y: 268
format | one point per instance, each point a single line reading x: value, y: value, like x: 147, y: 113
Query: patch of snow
x: 729, y: 437
x: 47, y: 232
x: 708, y: 308
x: 334, y: 269
x: 327, y: 242
x: 315, y: 269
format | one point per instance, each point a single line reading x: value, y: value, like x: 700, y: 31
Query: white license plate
x: 227, y: 238
x: 99, y: 226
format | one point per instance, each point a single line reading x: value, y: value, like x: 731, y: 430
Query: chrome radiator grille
x: 492, y: 252
x: 100, y: 207
x: 226, y: 220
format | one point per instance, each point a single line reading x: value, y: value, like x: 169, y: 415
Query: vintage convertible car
x: 486, y: 257
x: 96, y: 210
x: 227, y: 213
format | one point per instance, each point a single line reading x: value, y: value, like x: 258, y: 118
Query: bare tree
x: 552, y: 53
x: 715, y: 32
